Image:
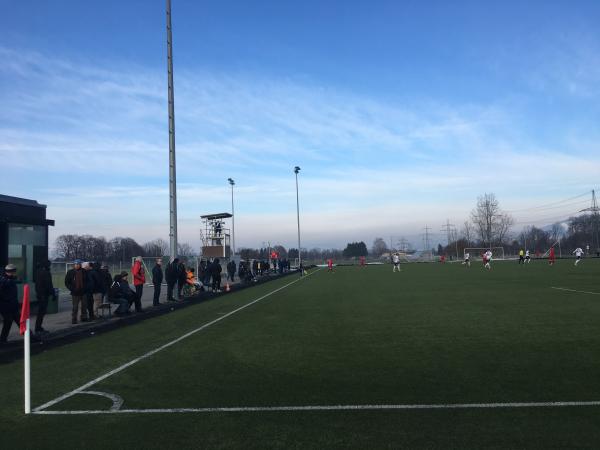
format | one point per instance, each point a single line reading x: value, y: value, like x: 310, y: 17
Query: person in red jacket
x: 139, y: 276
x: 551, y: 257
x: 330, y: 265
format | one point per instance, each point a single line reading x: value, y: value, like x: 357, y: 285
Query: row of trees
x: 91, y: 248
x: 487, y: 226
x: 490, y: 226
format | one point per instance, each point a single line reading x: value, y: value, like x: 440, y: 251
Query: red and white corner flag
x: 25, y: 330
x: 24, y: 310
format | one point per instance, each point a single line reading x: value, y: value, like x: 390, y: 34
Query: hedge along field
x: 432, y: 334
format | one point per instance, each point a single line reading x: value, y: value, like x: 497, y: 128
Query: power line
x: 550, y: 204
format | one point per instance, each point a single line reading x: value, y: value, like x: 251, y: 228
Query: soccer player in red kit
x: 551, y: 257
x: 330, y: 265
x: 362, y: 261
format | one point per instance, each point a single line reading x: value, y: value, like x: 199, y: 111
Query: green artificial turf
x: 434, y: 333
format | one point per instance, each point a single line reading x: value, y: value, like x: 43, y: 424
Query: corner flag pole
x: 27, y: 369
x: 25, y: 330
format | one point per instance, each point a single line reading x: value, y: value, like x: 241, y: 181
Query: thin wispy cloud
x: 370, y: 165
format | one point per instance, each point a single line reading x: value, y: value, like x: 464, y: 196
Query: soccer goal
x: 476, y: 253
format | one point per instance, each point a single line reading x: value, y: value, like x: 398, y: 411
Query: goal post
x: 476, y: 253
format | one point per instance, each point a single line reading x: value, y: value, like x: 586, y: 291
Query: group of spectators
x: 91, y: 286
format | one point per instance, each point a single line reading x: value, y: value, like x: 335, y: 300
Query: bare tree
x: 556, y: 232
x: 468, y: 232
x: 185, y: 249
x: 491, y: 223
x: 248, y: 253
x: 502, y: 227
x: 281, y: 251
x: 157, y: 247
x: 379, y: 247
x: 64, y: 246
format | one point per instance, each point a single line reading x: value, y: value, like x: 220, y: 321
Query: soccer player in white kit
x: 467, y: 260
x: 578, y: 252
x: 527, y: 257
x: 488, y: 259
x: 396, y: 262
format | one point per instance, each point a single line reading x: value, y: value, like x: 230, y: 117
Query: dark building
x: 23, y: 235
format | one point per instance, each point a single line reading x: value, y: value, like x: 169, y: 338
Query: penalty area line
x: 327, y: 408
x: 82, y: 388
x: 574, y: 290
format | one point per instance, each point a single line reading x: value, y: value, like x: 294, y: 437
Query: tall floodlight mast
x: 232, y: 183
x: 172, y: 176
x: 296, y: 170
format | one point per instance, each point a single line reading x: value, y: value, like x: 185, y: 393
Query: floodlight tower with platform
x: 215, y: 237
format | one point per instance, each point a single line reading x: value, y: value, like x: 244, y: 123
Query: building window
x: 25, y: 245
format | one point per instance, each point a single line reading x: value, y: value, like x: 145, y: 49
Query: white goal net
x: 476, y: 253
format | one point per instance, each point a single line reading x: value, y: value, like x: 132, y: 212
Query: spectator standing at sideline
x: 9, y: 301
x: 202, y: 272
x: 181, y: 279
x: 107, y: 280
x: 88, y: 297
x: 97, y: 286
x: 231, y: 268
x: 44, y: 289
x: 207, y: 274
x: 216, y: 275
x: 139, y: 276
x: 157, y: 277
x: 75, y: 282
x: 171, y: 277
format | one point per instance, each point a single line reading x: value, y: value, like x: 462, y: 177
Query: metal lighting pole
x: 232, y: 183
x: 172, y: 177
x: 296, y: 170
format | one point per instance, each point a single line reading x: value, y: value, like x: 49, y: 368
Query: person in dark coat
x: 44, y: 290
x: 157, y: 277
x: 98, y: 287
x: 207, y: 274
x: 181, y: 279
x: 9, y: 301
x: 89, y: 289
x: 231, y: 268
x: 117, y: 295
x: 75, y: 282
x: 215, y: 272
x: 202, y: 272
x: 129, y: 293
x: 171, y: 278
x: 107, y: 280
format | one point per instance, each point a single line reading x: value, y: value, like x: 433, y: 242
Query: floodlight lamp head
x: 231, y: 182
x: 296, y: 169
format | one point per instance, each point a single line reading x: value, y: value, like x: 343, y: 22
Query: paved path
x: 62, y: 319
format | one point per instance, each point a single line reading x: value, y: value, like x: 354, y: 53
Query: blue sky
x: 400, y: 114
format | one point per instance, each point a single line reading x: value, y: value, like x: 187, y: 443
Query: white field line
x: 162, y: 347
x: 574, y: 290
x: 116, y: 399
x: 328, y: 408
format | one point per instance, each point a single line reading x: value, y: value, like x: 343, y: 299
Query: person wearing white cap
x: 9, y: 301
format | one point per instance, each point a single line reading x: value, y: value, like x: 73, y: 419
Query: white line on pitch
x: 330, y: 408
x: 162, y: 347
x: 574, y: 290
